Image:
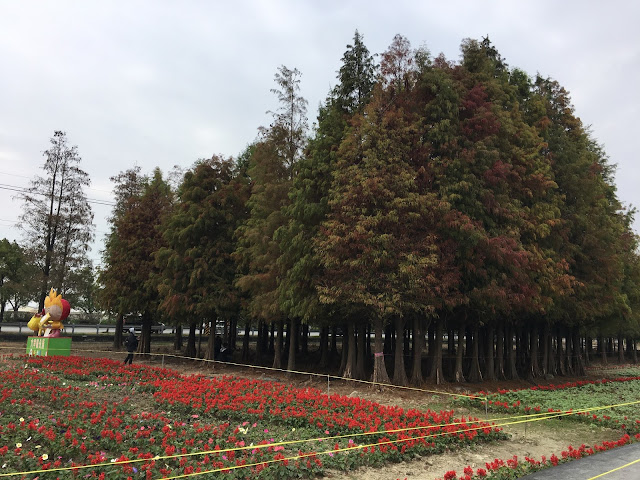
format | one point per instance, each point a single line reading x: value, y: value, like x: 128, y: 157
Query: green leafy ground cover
x: 612, y: 402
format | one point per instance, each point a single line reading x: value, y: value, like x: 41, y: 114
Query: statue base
x: 48, y: 346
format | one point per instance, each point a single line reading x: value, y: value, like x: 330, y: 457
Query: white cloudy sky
x: 163, y: 83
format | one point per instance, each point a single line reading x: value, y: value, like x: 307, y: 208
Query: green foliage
x: 56, y: 218
x: 273, y: 165
x: 197, y: 271
x: 257, y: 251
x: 310, y: 190
x: 356, y: 77
x: 589, y: 239
x: 129, y: 267
x: 379, y: 244
x: 18, y: 276
x: 619, y: 394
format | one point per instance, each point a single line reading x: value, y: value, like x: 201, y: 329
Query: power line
x: 18, y: 189
x: 29, y: 178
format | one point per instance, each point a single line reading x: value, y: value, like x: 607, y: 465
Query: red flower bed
x: 505, y: 401
x: 513, y: 468
x: 68, y: 417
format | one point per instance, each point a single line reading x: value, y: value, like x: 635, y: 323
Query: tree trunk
x: 260, y: 350
x: 304, y: 343
x: 458, y: 375
x: 436, y: 374
x: 512, y: 371
x: 534, y: 368
x: 379, y: 368
x: 225, y: 330
x: 266, y: 339
x: 359, y: 372
x: 245, y: 341
x: 210, y: 352
x: 367, y: 353
x: 334, y: 341
x: 117, y: 337
x: 620, y: 348
x: 177, y: 338
x: 277, y: 348
x: 577, y: 354
x: 603, y: 350
x: 499, y: 370
x: 545, y: 349
x: 291, y: 361
x: 344, y: 353
x: 191, y: 340
x: 324, y: 348
x: 569, y: 349
x: 489, y: 369
x: 399, y: 372
x: 560, y: 355
x: 350, y: 365
x: 272, y: 336
x: 388, y: 338
x: 418, y: 346
x: 451, y: 343
x: 522, y: 348
x: 233, y: 333
x: 475, y: 375
x: 211, y: 334
x: 407, y: 344
x: 145, y: 341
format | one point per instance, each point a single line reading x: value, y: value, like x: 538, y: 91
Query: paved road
x: 597, y: 465
x: 80, y: 329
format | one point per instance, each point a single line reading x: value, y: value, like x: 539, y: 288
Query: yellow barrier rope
x: 297, y: 372
x: 615, y: 469
x: 358, y: 447
x: 541, y: 416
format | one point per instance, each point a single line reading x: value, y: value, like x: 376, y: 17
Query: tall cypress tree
x: 272, y: 168
x: 297, y: 289
x: 197, y: 271
x: 130, y: 274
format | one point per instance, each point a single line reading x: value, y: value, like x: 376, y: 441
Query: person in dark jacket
x: 132, y: 345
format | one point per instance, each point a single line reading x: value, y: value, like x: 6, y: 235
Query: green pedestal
x: 47, y: 346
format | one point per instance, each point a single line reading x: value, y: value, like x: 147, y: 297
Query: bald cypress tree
x: 273, y: 165
x: 197, y: 271
x: 129, y: 274
x: 310, y: 189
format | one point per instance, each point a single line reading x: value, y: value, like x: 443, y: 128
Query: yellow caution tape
x: 615, y: 469
x: 540, y: 417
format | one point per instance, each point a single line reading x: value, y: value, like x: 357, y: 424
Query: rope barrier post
x: 486, y: 407
x: 162, y: 361
x: 327, y: 384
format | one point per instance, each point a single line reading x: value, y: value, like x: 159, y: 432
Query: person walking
x: 132, y: 345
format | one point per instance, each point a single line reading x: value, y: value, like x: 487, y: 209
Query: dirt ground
x: 528, y: 439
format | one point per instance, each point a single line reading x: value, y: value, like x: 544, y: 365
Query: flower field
x: 590, y: 400
x: 611, y: 403
x: 73, y: 417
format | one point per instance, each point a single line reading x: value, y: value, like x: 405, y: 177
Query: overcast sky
x: 164, y: 83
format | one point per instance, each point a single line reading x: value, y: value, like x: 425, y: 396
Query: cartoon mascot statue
x: 48, y: 323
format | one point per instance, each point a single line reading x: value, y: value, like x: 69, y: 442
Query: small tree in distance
x: 57, y: 220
